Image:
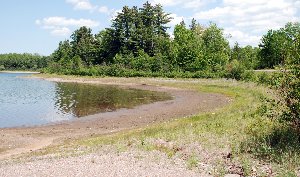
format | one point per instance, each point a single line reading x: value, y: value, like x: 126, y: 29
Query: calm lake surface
x: 29, y: 102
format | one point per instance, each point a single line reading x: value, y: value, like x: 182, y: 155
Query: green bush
x: 248, y: 75
x: 290, y: 85
x: 235, y: 70
x: 290, y: 92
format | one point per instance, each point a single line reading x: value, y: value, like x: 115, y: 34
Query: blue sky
x: 37, y: 26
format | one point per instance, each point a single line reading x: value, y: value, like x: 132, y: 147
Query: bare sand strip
x: 17, y: 141
x: 20, y: 72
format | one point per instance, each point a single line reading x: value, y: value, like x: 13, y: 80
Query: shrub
x: 2, y: 67
x: 290, y: 92
x: 248, y: 75
x: 290, y: 86
x: 235, y: 70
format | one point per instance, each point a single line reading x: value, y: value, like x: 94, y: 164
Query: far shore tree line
x: 25, y: 61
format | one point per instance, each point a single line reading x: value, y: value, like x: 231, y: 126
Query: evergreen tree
x: 64, y: 49
x: 83, y: 45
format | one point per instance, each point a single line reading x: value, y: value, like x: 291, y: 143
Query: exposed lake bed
x: 15, y: 141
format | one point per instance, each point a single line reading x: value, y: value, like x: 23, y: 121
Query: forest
x: 138, y: 44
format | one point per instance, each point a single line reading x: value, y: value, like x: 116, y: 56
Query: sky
x: 35, y: 26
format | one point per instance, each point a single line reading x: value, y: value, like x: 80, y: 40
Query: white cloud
x: 63, y: 21
x: 194, y: 4
x: 87, y: 5
x: 183, y: 3
x: 241, y: 37
x: 81, y: 4
x: 114, y: 13
x: 64, y: 31
x: 104, y: 9
x: 60, y: 26
x: 297, y: 4
x: 166, y: 2
x: 175, y: 19
x: 38, y: 22
x: 247, y: 20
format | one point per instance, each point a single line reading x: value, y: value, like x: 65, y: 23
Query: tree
x: 138, y: 29
x: 247, y: 56
x: 148, y: 18
x: 107, y: 46
x: 188, y: 54
x: 217, y: 48
x: 235, y: 52
x: 193, y: 25
x: 272, y: 49
x: 83, y: 45
x: 161, y: 19
x: 64, y: 49
x: 275, y: 45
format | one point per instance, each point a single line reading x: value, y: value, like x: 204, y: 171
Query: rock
x: 232, y: 175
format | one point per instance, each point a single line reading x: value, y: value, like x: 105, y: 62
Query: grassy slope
x: 219, y: 139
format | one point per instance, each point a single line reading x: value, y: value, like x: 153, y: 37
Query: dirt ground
x: 15, y: 142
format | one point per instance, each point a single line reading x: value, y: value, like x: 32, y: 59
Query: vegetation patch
x: 238, y: 138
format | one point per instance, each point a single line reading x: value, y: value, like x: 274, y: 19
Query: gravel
x: 101, y: 164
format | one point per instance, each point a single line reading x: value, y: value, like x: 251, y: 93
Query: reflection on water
x: 35, y: 102
x: 85, y: 99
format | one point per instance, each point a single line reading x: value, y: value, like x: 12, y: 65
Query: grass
x: 238, y: 138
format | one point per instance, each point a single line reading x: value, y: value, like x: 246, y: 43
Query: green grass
x: 241, y: 130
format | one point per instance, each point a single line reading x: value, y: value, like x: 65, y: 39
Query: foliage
x: 217, y: 48
x: 290, y: 86
x: 235, y: 70
x: 136, y: 29
x: 24, y: 61
x: 247, y: 56
x: 275, y: 45
x: 188, y: 50
x: 138, y: 42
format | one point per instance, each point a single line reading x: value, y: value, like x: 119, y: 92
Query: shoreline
x: 20, y: 140
x: 21, y: 72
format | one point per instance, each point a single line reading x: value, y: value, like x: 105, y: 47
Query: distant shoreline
x: 20, y: 72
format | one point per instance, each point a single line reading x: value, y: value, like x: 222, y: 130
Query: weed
x: 192, y: 161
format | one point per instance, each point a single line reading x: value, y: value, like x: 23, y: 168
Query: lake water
x: 29, y: 102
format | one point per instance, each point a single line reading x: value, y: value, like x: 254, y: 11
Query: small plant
x: 192, y: 161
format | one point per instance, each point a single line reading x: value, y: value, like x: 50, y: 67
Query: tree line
x: 25, y: 61
x: 138, y: 44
